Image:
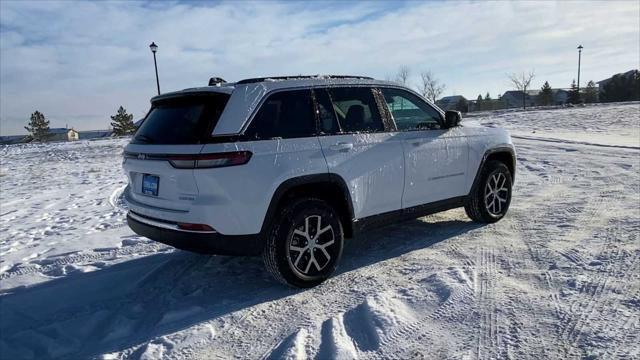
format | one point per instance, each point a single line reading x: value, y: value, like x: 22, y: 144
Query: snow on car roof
x: 279, y: 82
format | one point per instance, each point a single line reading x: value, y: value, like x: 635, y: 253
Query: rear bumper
x: 205, y: 243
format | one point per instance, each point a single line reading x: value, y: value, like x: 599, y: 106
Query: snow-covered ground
x: 559, y: 277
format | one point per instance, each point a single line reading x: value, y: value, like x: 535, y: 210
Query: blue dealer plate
x: 150, y: 184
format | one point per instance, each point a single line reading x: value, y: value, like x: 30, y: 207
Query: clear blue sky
x: 77, y: 62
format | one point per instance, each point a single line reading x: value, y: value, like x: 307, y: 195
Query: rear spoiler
x: 191, y: 92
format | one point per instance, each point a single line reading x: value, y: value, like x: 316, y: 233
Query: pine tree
x: 479, y: 103
x: 488, y: 102
x: 38, y: 126
x: 122, y: 122
x: 591, y: 93
x: 546, y: 94
x: 574, y: 96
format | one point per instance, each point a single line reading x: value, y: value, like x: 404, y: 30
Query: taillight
x: 195, y: 227
x: 206, y: 161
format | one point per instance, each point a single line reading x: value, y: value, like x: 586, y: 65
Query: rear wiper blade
x: 144, y: 138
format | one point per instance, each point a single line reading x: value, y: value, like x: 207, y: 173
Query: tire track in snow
x: 519, y: 338
x: 592, y: 212
x: 291, y: 339
x: 573, y: 321
x: 152, y: 287
x: 488, y: 341
x: 422, y: 327
x: 115, y: 199
x: 597, y: 304
x: 573, y: 142
x: 140, y: 248
x: 604, y: 318
x: 456, y: 253
x: 553, y: 290
x: 597, y: 212
x: 537, y: 256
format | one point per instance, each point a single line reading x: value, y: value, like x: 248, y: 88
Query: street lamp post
x: 154, y: 48
x: 579, y: 56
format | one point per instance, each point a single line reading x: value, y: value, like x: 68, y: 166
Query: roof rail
x: 216, y: 81
x: 296, y: 77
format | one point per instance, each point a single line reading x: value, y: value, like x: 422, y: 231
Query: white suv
x: 287, y: 167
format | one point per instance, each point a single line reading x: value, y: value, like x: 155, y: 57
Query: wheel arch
x: 328, y: 187
x: 504, y: 154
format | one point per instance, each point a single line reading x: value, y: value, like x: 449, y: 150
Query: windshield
x: 184, y: 120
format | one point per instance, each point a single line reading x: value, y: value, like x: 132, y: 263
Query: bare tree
x: 431, y: 87
x: 521, y: 82
x: 402, y: 76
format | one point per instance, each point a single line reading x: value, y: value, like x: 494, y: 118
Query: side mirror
x: 452, y: 118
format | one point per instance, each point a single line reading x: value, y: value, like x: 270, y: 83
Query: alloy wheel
x: 496, y: 194
x: 311, y: 245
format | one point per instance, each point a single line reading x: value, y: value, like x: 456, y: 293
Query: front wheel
x: 305, y: 243
x: 491, y: 197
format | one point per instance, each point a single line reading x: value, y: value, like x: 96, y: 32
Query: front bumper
x: 200, y: 242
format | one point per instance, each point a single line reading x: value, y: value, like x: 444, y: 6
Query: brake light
x: 195, y: 227
x: 207, y: 161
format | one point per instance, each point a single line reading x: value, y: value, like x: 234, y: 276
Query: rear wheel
x: 305, y: 243
x: 491, y: 197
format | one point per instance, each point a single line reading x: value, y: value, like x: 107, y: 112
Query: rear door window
x: 286, y: 114
x: 326, y: 113
x: 356, y: 109
x: 184, y: 120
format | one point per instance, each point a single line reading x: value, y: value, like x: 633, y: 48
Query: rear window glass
x: 185, y: 120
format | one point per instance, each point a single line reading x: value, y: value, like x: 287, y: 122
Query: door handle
x: 341, y: 146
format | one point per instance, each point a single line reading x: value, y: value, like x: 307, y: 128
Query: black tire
x: 490, y: 211
x: 296, y: 228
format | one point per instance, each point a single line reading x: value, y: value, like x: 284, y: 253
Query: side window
x: 326, y: 114
x: 356, y: 109
x: 410, y: 112
x: 286, y: 114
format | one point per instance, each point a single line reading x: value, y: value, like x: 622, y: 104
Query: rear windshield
x: 184, y: 120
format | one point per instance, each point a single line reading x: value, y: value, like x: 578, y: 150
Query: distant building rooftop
x: 59, y: 130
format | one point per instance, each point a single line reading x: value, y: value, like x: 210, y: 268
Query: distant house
x: 625, y: 75
x: 560, y: 96
x: 622, y: 89
x: 453, y: 102
x: 14, y: 139
x: 513, y: 98
x: 62, y: 134
x: 94, y: 134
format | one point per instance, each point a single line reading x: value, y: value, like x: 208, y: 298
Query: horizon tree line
x: 39, y: 130
x: 621, y: 87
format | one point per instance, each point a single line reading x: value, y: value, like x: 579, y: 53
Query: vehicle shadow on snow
x: 87, y: 314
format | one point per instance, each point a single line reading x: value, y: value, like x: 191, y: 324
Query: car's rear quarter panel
x: 234, y: 200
